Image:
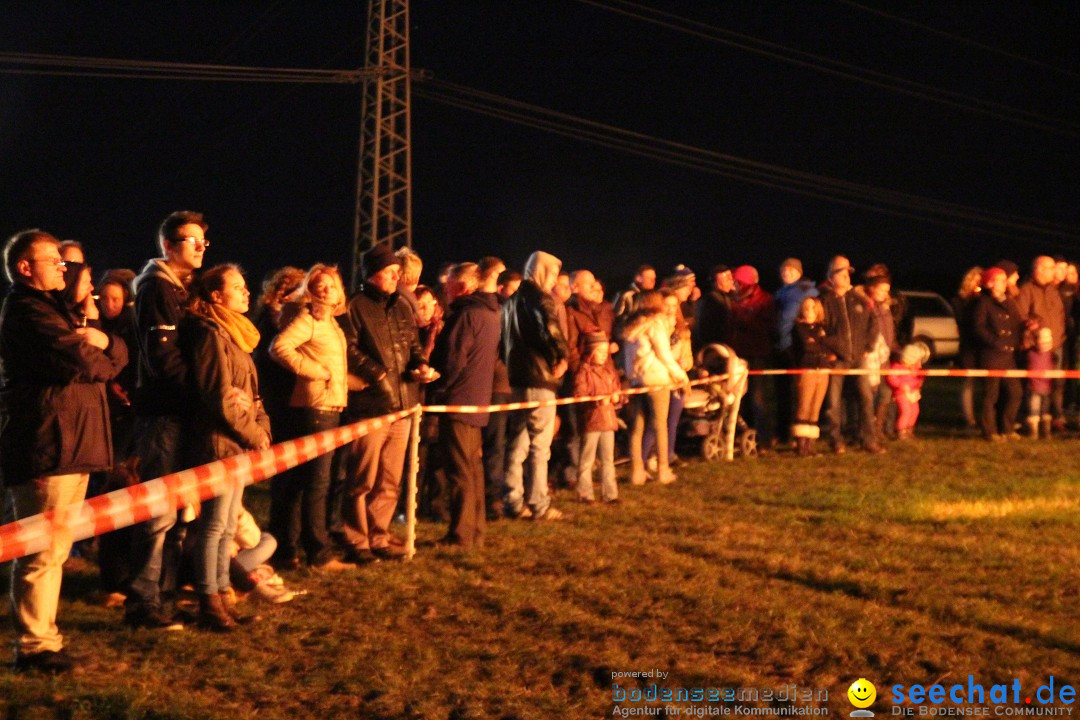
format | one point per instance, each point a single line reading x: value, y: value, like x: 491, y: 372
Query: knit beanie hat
x: 1008, y: 266
x: 917, y: 353
x: 377, y: 258
x: 593, y: 339
x: 745, y: 275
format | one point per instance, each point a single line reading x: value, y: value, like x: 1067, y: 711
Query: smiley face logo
x: 862, y: 693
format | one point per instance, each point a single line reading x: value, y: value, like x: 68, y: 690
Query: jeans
x: 867, y: 429
x: 35, y: 579
x: 591, y: 444
x: 648, y: 441
x: 654, y: 404
x: 298, y: 496
x: 529, y: 440
x: 156, y: 543
x: 495, y: 454
x: 248, y: 560
x: 217, y: 526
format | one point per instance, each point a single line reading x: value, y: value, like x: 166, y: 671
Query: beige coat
x: 647, y: 353
x: 313, y: 349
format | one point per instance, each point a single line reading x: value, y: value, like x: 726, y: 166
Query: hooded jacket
x: 465, y: 354
x: 161, y: 379
x: 383, y: 348
x: 55, y: 417
x: 647, y: 355
x: 532, y: 341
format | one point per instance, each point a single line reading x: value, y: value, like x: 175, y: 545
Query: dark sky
x: 274, y: 167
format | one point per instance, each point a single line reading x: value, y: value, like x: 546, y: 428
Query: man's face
x: 725, y: 282
x: 841, y: 275
x: 112, y: 300
x: 1044, y: 271
x: 596, y: 293
x: 880, y: 293
x: 646, y: 280
x: 1061, y: 271
x: 386, y: 279
x: 789, y: 274
x: 43, y: 269
x: 583, y: 284
x: 186, y: 248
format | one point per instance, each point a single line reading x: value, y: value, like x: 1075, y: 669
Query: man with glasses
x: 850, y: 333
x: 161, y: 402
x: 54, y: 429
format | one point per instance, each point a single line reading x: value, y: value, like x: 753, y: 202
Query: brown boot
x: 228, y: 602
x: 212, y: 614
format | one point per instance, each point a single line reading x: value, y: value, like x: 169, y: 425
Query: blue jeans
x: 648, y: 441
x: 217, y: 526
x: 155, y: 547
x: 529, y: 439
x: 595, y: 444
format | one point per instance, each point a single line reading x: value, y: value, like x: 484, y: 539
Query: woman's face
x: 671, y: 306
x: 425, y: 309
x: 880, y: 293
x: 234, y: 295
x: 85, y: 285
x: 810, y: 313
x: 324, y: 290
x: 112, y: 300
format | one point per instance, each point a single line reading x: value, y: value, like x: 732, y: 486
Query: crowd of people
x: 170, y: 368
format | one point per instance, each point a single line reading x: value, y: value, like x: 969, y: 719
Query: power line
x: 839, y: 68
x: 961, y: 39
x: 822, y: 187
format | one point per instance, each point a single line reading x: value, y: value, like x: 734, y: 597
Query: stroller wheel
x: 748, y: 443
x: 712, y: 446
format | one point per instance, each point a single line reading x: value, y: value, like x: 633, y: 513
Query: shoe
x: 389, y: 553
x: 1013, y: 436
x: 272, y: 594
x: 332, y: 565
x: 995, y: 437
x: 113, y: 600
x: 613, y: 501
x: 874, y: 448
x: 358, y: 557
x: 212, y: 614
x: 228, y: 601
x: 154, y: 619
x: 839, y: 448
x: 667, y: 478
x: 47, y: 661
x: 522, y: 513
x: 551, y: 514
x: 651, y: 464
x: 586, y: 500
x: 640, y: 479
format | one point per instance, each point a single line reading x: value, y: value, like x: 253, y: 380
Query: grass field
x: 946, y: 557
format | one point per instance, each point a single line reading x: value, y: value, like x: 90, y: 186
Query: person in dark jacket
x: 162, y: 401
x: 535, y: 353
x: 753, y: 326
x: 217, y: 340
x: 54, y: 428
x: 712, y: 323
x: 999, y: 330
x: 963, y: 305
x: 384, y: 353
x: 851, y: 331
x: 465, y: 355
x: 494, y: 450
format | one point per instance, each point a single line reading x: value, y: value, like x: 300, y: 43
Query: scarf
x: 240, y: 329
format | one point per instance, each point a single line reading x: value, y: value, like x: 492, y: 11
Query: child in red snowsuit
x: 907, y: 387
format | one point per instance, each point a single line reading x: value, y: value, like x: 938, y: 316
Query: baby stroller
x: 711, y: 411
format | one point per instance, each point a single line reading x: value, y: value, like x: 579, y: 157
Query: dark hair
x: 211, y: 281
x: 486, y: 265
x: 423, y: 290
x: 509, y: 276
x: 177, y: 220
x: 643, y: 268
x: 18, y: 247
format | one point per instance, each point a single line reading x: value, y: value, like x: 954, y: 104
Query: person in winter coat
x: 851, y: 332
x: 162, y: 403
x: 648, y: 362
x: 384, y: 353
x: 465, y: 355
x: 963, y: 305
x: 999, y: 328
x: 907, y: 388
x: 810, y: 352
x: 712, y: 322
x: 535, y: 352
x: 311, y: 346
x: 788, y: 299
x: 217, y: 340
x: 1040, y: 304
x: 596, y: 376
x: 753, y: 322
x: 54, y: 428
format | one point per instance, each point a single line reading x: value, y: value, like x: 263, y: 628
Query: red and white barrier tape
x: 138, y: 503
x: 926, y: 372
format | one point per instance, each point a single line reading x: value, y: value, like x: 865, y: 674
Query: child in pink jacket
x: 906, y: 388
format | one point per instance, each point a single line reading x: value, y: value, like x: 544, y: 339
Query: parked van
x: 931, y: 321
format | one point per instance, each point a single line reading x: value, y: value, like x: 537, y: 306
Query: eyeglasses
x: 196, y: 242
x: 54, y: 261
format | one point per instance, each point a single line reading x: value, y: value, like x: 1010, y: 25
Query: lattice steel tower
x: 384, y: 188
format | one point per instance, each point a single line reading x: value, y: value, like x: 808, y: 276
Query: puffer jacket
x: 54, y: 416
x: 161, y: 384
x: 224, y: 425
x: 850, y: 327
x: 591, y: 380
x: 532, y: 341
x: 647, y: 353
x: 383, y: 348
x: 309, y: 348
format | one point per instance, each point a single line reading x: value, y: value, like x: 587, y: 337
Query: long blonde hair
x: 303, y: 294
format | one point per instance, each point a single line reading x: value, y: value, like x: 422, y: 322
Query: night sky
x: 274, y: 166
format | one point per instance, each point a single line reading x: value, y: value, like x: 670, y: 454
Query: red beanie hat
x: 989, y: 274
x: 745, y: 275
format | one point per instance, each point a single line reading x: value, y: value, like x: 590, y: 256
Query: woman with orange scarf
x: 217, y: 341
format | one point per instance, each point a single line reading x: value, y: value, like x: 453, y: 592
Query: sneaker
x: 332, y: 565
x: 389, y: 553
x: 273, y: 595
x: 48, y: 661
x: 551, y: 514
x: 668, y: 478
x: 522, y: 513
x: 155, y: 619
